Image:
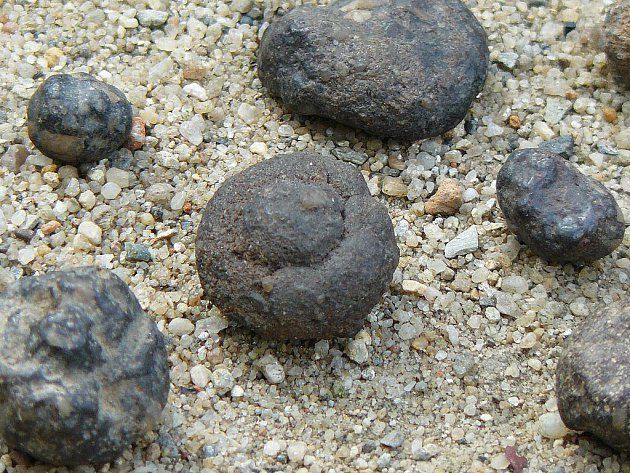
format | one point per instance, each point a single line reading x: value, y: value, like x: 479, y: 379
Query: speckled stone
x: 78, y: 119
x: 617, y: 41
x: 83, y: 370
x: 295, y: 248
x: 561, y: 214
x: 593, y: 377
x: 406, y: 69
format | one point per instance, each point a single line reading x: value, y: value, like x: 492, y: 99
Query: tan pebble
x: 194, y: 72
x: 413, y: 287
x: 10, y: 27
x: 50, y: 227
x: 137, y: 135
x: 52, y: 56
x: 571, y: 95
x: 610, y: 114
x: 49, y: 168
x: 514, y: 121
x: 447, y: 200
x: 394, y: 187
x: 396, y: 163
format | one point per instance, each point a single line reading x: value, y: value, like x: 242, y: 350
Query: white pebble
x: 200, y: 375
x: 296, y: 451
x: 180, y: 326
x: 110, y: 191
x: 551, y: 426
x: 91, y: 231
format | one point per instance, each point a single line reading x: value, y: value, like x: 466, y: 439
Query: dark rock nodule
x: 296, y: 248
x: 405, y: 69
x: 617, y: 41
x: 78, y: 119
x: 83, y: 370
x: 593, y: 377
x: 561, y: 214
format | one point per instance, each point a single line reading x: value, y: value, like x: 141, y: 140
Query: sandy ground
x: 454, y: 373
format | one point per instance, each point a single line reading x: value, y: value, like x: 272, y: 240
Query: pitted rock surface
x: 296, y: 248
x: 83, y: 370
x: 593, y: 377
x: 561, y: 214
x: 617, y: 41
x: 406, y: 69
x: 78, y: 119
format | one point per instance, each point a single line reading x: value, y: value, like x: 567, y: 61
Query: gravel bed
x: 453, y: 367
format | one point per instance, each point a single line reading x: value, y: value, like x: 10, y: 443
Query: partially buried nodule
x: 78, y: 119
x: 83, y: 370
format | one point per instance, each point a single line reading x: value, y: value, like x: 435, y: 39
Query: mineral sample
x: 295, y: 248
x: 83, y: 370
x: 78, y: 119
x: 617, y: 41
x: 593, y: 377
x: 406, y: 69
x: 562, y: 215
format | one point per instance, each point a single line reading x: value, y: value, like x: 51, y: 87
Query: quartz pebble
x: 551, y: 426
x: 465, y: 242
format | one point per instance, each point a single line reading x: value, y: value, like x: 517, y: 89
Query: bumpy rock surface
x: 593, y: 377
x: 406, y: 69
x: 617, y: 38
x: 558, y: 212
x: 295, y: 247
x: 83, y: 370
x: 77, y: 118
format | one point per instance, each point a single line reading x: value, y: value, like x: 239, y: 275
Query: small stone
x: 609, y: 114
x: 550, y: 425
x: 358, y: 63
x: 464, y: 243
x: 248, y: 113
x: 507, y: 60
x: 349, y: 155
x: 137, y: 135
x: 394, y: 187
x: 274, y: 372
x: 563, y: 145
x: 137, y: 252
x: 237, y: 392
x: 543, y: 130
x: 241, y: 6
x: 394, y: 439
x: 616, y: 31
x: 110, y: 191
x: 192, y: 130
x: 622, y: 139
x: 558, y: 212
x: 273, y: 447
x: 159, y: 193
x: 178, y: 200
x: 91, y: 231
x: 259, y: 147
x: 87, y: 200
x: 180, y: 326
x: 296, y: 451
x: 82, y: 348
x: 223, y: 381
x: 357, y: 351
x: 50, y: 227
x: 26, y: 255
x: 447, y: 200
x: 195, y: 90
x: 593, y: 377
x: 152, y: 18
x: 14, y: 157
x: 500, y: 462
x: 200, y: 375
x: 77, y: 118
